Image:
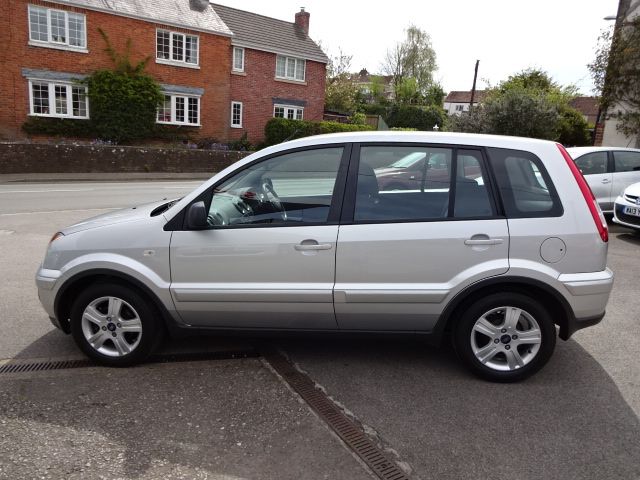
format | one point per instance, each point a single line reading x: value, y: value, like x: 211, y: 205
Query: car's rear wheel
x: 114, y: 325
x: 505, y: 337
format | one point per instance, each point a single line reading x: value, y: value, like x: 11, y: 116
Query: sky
x: 507, y: 36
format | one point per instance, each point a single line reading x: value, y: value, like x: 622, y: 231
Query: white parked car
x: 627, y: 207
x: 608, y: 170
x: 497, y: 245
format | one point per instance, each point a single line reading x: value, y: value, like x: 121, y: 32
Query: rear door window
x: 593, y: 163
x: 413, y: 183
x: 626, y: 161
x: 524, y: 184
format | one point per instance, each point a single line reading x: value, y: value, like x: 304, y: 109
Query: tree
x: 124, y: 101
x: 341, y: 92
x: 527, y: 104
x: 616, y: 75
x: 414, y: 57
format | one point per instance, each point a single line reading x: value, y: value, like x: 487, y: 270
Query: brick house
x: 53, y: 44
x: 277, y: 71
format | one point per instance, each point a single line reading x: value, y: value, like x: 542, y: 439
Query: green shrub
x: 420, y: 118
x: 123, y: 106
x: 241, y: 145
x: 278, y: 130
x: 58, y: 127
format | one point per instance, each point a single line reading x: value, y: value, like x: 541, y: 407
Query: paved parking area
x: 237, y: 419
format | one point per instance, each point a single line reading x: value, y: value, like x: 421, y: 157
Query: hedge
x: 278, y: 130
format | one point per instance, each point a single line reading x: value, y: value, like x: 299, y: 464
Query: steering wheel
x: 273, y: 198
x: 216, y: 219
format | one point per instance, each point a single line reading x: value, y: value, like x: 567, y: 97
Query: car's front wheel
x: 114, y: 325
x: 505, y: 337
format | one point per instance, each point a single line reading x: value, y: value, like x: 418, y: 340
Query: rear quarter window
x: 525, y: 187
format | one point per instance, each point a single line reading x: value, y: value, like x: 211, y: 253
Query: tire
x: 505, y: 337
x: 124, y: 325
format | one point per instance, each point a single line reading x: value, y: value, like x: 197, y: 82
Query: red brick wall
x: 258, y: 86
x: 213, y: 75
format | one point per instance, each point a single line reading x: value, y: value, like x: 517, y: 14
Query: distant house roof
x: 191, y: 14
x: 586, y: 105
x: 365, y: 77
x: 269, y: 34
x: 465, y: 96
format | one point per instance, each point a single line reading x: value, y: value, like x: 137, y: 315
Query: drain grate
x: 347, y: 430
x: 26, y: 366
x: 39, y: 366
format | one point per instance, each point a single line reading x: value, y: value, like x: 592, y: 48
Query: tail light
x: 596, y: 213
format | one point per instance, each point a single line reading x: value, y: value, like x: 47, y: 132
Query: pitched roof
x: 586, y: 105
x: 457, y: 96
x: 269, y: 34
x: 191, y: 14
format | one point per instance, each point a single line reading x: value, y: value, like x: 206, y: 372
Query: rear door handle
x: 311, y: 245
x: 487, y: 241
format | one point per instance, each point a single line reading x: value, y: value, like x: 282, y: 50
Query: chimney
x: 302, y: 21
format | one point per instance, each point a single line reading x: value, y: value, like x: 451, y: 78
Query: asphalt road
x: 235, y: 419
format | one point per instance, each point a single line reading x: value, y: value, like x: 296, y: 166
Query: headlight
x: 56, y: 236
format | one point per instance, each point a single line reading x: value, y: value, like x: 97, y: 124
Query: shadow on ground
x: 569, y: 421
x: 234, y: 420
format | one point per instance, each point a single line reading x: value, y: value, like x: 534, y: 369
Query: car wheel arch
x: 68, y: 292
x: 553, y: 302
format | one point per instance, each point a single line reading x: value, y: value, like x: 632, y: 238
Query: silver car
x: 627, y: 207
x: 608, y: 170
x: 501, y: 246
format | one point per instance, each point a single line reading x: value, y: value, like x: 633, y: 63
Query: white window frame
x: 288, y: 108
x: 295, y: 69
x: 50, y: 43
x: 170, y: 60
x: 233, y: 104
x: 173, y: 120
x: 238, y: 51
x: 51, y: 86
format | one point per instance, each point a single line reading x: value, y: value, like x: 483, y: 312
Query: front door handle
x: 312, y: 245
x: 606, y: 180
x: 484, y: 241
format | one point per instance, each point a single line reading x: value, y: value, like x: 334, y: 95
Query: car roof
x: 576, y: 152
x: 455, y: 138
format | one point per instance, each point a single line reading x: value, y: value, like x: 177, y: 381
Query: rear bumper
x: 588, y: 294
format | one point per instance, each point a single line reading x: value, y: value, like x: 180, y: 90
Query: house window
x: 57, y: 28
x: 179, y: 110
x: 236, y: 114
x: 290, y: 68
x: 287, y: 111
x: 176, y: 48
x: 238, y: 59
x: 459, y: 108
x: 51, y: 99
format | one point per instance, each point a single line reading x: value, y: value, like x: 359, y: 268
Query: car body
x: 608, y: 170
x: 301, y: 237
x: 627, y: 207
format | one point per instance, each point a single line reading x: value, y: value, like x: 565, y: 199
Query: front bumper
x: 622, y: 218
x: 46, y: 281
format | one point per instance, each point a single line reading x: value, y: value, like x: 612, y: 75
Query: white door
x: 594, y: 167
x: 407, y: 251
x: 626, y: 171
x: 267, y: 259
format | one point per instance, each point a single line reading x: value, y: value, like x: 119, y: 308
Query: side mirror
x: 197, y: 216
